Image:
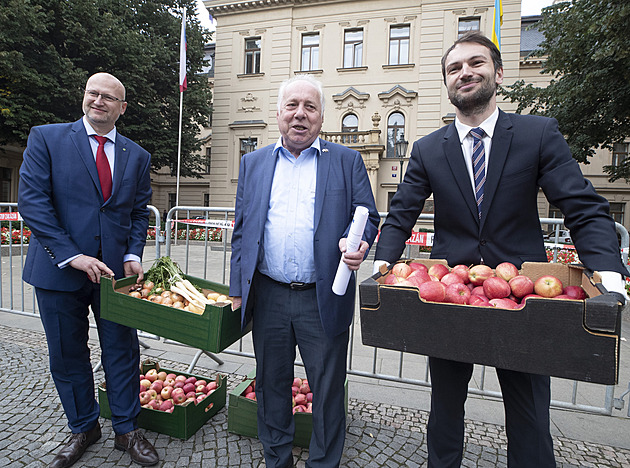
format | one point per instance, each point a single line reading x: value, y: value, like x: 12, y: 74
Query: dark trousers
x: 65, y: 319
x: 284, y: 318
x: 526, y: 399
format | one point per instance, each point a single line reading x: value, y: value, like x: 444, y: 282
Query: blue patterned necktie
x: 479, y: 165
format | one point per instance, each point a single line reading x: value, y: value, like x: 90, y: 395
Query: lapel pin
x: 325, y: 150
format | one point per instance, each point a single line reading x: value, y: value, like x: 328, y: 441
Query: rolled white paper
x: 353, y: 241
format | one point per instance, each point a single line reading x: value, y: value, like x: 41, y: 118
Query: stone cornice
x: 219, y: 7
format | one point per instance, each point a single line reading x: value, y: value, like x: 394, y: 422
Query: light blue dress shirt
x: 288, y: 235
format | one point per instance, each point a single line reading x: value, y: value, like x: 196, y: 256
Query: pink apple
x: 457, y: 293
x: 179, y: 384
x: 181, y: 378
x: 152, y: 393
x: 191, y: 395
x: 521, y: 285
x: 438, y: 270
x: 503, y: 303
x: 162, y: 376
x: 145, y: 383
x: 305, y: 388
x: 166, y: 393
x: 201, y: 389
x: 506, y: 271
x: 251, y: 396
x: 475, y: 300
x: 191, y: 380
x: 434, y: 291
x: 165, y: 405
x: 418, y: 277
x: 415, y: 266
x: 297, y: 382
x: 392, y: 279
x: 529, y: 296
x: 144, y: 398
x: 157, y: 386
x: 169, y: 382
x: 548, y: 286
x: 213, y: 386
x: 189, y: 387
x: 401, y: 269
x: 479, y: 273
x: 295, y: 390
x: 298, y: 409
x: 151, y: 375
x: 309, y: 397
x: 496, y: 288
x: 478, y: 291
x: 178, y: 396
x: 154, y: 404
x: 452, y: 278
x: 201, y: 382
x: 171, y: 376
x: 576, y: 292
x: 462, y: 270
x: 300, y: 399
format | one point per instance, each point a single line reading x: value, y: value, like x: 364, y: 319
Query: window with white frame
x: 353, y: 48
x: 310, y: 52
x: 399, y: 45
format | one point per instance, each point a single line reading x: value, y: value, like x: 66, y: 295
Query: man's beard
x: 476, y: 102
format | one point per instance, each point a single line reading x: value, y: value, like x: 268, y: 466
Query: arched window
x: 395, y: 132
x: 350, y: 123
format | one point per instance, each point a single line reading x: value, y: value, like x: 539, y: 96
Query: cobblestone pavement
x: 33, y: 427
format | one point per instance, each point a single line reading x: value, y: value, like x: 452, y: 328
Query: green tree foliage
x: 49, y: 48
x: 586, y: 49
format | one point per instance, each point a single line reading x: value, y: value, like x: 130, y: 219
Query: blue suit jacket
x: 61, y: 202
x: 342, y: 185
x: 527, y: 152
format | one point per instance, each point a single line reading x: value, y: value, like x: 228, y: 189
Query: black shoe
x: 76, y: 447
x: 138, y: 447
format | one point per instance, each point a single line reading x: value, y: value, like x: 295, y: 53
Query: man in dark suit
x: 490, y: 215
x: 294, y: 206
x: 86, y: 224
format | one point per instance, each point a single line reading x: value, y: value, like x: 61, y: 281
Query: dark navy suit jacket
x: 61, y: 201
x: 527, y: 152
x: 342, y: 185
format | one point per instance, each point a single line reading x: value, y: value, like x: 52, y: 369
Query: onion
x: 135, y: 294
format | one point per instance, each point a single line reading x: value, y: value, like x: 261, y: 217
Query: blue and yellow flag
x: 497, y: 22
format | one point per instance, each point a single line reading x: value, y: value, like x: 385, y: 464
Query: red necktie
x: 102, y: 166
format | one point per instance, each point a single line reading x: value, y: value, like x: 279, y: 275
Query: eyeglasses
x: 106, y: 97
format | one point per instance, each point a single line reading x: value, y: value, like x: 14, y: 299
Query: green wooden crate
x: 242, y: 417
x: 185, y: 420
x: 214, y: 330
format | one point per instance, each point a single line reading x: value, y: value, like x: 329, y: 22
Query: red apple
x: 506, y: 271
x: 145, y: 383
x: 169, y: 382
x: 201, y: 388
x: 171, y: 376
x: 297, y: 382
x: 157, y: 386
x: 576, y: 292
x: 189, y: 387
x: 213, y: 386
x: 564, y: 296
x: 478, y: 291
x: 504, y: 303
x: 415, y: 266
x: 452, y: 278
x: 521, y: 285
x: 462, y: 270
x: 305, y: 388
x: 434, y: 291
x: 178, y: 396
x: 144, y: 398
x: 295, y: 390
x: 419, y: 276
x: 151, y: 375
x: 529, y: 296
x: 201, y: 382
x: 392, y: 279
x: 178, y: 384
x: 251, y: 396
x: 300, y: 399
x: 548, y: 286
x: 457, y: 293
x: 479, y: 273
x: 309, y: 397
x: 154, y: 404
x: 152, y: 393
x: 496, y: 288
x: 191, y: 380
x: 475, y: 300
x: 165, y: 405
x: 181, y: 378
x: 401, y: 269
x: 438, y: 270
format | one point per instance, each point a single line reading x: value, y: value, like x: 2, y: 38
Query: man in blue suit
x: 496, y: 223
x: 86, y: 224
x: 294, y: 205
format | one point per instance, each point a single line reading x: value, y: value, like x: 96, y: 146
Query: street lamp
x: 401, y: 152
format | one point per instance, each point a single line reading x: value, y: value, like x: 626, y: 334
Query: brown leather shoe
x: 139, y: 449
x: 75, y: 447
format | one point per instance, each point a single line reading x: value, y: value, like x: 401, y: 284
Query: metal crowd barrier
x: 210, y: 260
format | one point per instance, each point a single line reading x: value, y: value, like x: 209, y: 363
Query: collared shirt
x: 110, y: 144
x: 466, y: 141
x: 288, y: 236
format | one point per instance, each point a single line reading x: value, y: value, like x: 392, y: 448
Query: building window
x: 350, y: 123
x: 353, y: 48
x: 390, y: 195
x: 399, y: 45
x: 206, y: 199
x: 616, y: 211
x: 468, y: 24
x: 310, y: 52
x: 620, y: 153
x: 172, y: 200
x: 252, y: 55
x: 247, y: 145
x: 207, y: 161
x: 395, y: 132
x: 5, y: 184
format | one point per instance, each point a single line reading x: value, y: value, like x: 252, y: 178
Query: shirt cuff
x: 66, y: 262
x: 132, y: 258
x: 377, y: 266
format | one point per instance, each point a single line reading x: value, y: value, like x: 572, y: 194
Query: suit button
x: 102, y: 210
x: 97, y: 237
x: 482, y: 242
x: 249, y: 281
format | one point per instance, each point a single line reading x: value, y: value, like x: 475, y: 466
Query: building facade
x: 379, y: 63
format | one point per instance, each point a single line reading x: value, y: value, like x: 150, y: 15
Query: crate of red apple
x: 174, y: 403
x: 242, y: 409
x: 546, y: 318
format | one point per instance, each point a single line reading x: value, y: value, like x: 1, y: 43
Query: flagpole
x: 182, y: 86
x: 179, y: 148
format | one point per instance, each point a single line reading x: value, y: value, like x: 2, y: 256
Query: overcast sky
x: 528, y: 8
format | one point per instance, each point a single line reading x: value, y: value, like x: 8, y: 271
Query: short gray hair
x: 301, y: 77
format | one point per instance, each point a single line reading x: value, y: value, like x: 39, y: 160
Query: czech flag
x: 497, y: 22
x: 183, y: 83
